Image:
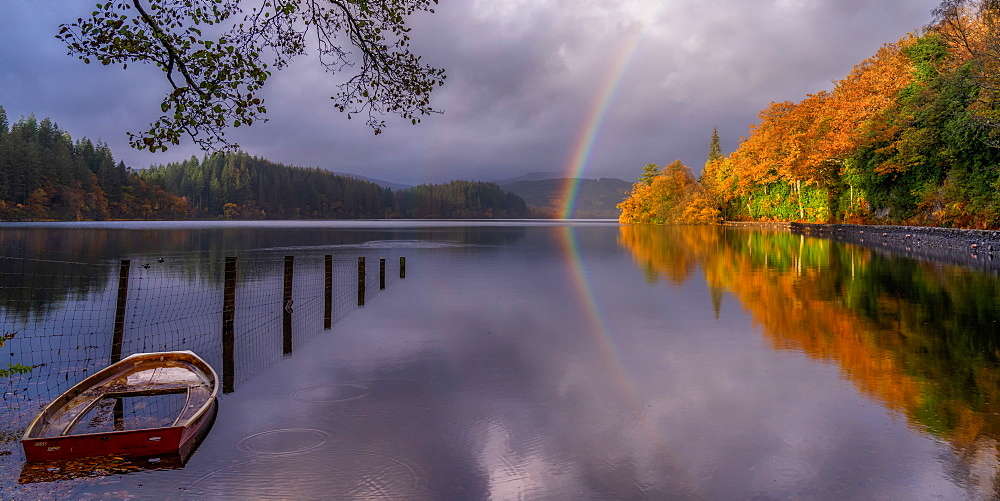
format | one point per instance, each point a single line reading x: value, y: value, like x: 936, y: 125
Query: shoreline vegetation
x: 910, y: 137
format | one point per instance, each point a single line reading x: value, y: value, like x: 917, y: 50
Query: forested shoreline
x: 45, y: 175
x: 910, y: 136
x: 240, y: 186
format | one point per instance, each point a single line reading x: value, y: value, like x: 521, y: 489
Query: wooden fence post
x: 381, y: 273
x: 119, y: 328
x: 361, y: 281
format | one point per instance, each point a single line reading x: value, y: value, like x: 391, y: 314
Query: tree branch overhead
x: 216, y: 74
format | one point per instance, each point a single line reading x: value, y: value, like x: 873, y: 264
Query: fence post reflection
x: 228, y: 327
x: 287, y: 309
x: 361, y: 281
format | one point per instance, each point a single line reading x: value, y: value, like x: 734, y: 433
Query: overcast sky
x: 524, y: 79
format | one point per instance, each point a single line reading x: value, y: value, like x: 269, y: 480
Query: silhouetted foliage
x: 217, y: 55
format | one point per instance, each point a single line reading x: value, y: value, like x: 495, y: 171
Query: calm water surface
x: 518, y: 360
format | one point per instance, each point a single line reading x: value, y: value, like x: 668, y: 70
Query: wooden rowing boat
x: 144, y: 405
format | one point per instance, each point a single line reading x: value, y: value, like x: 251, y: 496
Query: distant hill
x: 595, y: 198
x: 385, y: 184
x: 534, y: 176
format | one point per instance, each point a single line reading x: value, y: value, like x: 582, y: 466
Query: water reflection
x: 592, y: 361
x: 58, y: 311
x: 922, y: 339
x: 95, y: 242
x: 42, y: 266
x: 90, y: 469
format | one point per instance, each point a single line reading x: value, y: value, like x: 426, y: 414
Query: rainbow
x: 614, y: 368
x: 584, y: 143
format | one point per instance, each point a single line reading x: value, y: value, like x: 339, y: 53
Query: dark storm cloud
x: 523, y: 79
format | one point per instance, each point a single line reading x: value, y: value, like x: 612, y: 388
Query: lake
x: 518, y: 360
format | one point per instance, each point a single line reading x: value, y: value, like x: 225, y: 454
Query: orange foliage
x: 756, y: 160
x: 784, y: 282
x: 636, y: 208
x: 663, y: 250
x: 857, y: 110
x: 672, y: 197
x: 804, y: 143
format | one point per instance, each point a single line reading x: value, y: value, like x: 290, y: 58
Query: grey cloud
x: 523, y: 77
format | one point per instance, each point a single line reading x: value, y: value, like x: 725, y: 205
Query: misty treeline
x: 910, y: 136
x: 45, y: 175
x: 240, y: 186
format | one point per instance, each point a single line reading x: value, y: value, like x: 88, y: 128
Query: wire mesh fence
x: 64, y: 317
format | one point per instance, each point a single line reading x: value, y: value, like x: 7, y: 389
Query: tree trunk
x: 798, y: 190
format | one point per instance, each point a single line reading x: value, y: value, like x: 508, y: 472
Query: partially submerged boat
x: 145, y: 405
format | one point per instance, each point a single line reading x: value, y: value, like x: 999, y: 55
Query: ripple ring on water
x: 331, y: 393
x: 355, y: 475
x: 284, y: 442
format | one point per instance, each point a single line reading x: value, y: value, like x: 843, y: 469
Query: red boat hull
x: 123, y: 443
x: 133, y: 443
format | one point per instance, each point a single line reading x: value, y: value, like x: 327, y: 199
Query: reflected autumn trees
x: 922, y: 339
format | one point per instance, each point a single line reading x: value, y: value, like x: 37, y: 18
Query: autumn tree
x: 856, y: 113
x: 670, y: 192
x: 973, y: 27
x: 637, y: 206
x: 716, y: 177
x: 673, y: 197
x: 678, y: 197
x: 909, y: 136
x: 217, y: 55
x: 758, y: 156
